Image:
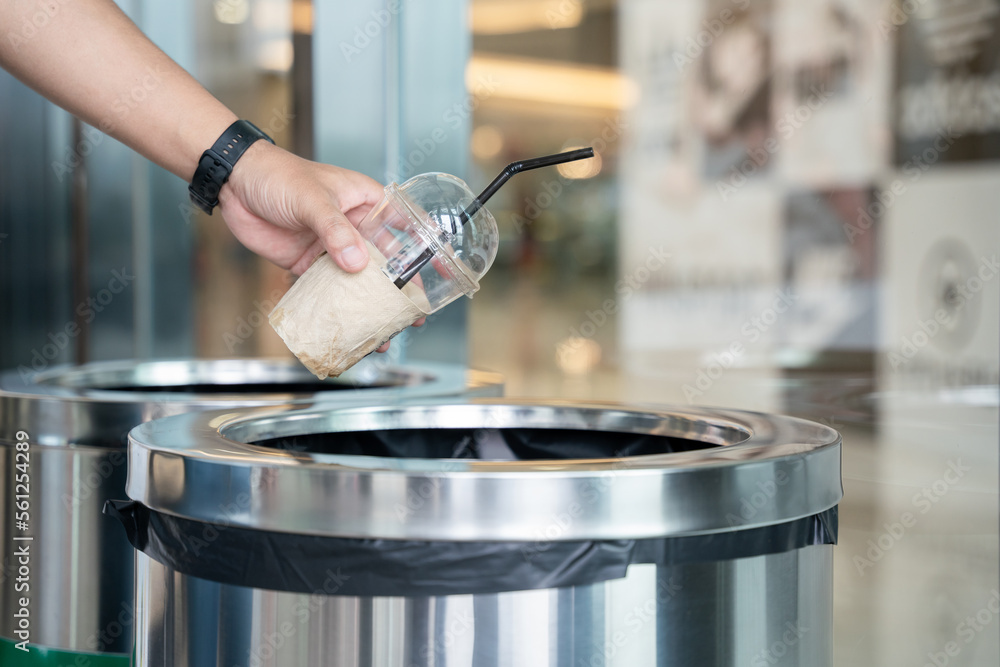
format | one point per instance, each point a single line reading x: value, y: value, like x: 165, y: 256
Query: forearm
x: 90, y: 59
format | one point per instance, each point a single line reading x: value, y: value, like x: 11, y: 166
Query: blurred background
x: 794, y: 207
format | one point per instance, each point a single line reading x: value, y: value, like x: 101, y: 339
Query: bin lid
x: 487, y: 469
x: 95, y: 404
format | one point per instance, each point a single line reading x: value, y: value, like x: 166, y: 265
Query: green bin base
x: 39, y: 656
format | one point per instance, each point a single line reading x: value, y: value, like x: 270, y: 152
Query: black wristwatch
x: 217, y: 163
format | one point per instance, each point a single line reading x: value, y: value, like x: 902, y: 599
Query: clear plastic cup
x: 425, y: 251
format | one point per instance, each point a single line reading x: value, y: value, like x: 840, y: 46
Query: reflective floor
x: 916, y: 569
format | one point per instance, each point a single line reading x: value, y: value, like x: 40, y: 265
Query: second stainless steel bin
x: 75, y: 421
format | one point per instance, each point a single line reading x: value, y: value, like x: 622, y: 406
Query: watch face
x: 943, y: 296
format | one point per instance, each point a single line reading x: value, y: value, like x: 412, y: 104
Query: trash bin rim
x: 57, y: 407
x: 77, y: 382
x: 355, y: 496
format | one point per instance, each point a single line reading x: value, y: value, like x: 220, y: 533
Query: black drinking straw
x: 477, y: 203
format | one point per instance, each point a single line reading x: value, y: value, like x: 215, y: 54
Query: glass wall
x: 357, y: 85
x: 245, y: 56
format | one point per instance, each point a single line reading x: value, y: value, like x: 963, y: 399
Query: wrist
x: 194, y: 139
x: 247, y: 167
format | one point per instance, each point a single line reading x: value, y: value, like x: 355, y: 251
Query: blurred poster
x: 731, y: 103
x: 830, y: 267
x: 941, y: 314
x: 831, y: 82
x: 704, y: 71
x: 723, y: 271
x: 656, y: 54
x: 947, y: 80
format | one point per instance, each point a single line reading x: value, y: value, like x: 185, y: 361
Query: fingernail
x: 352, y: 256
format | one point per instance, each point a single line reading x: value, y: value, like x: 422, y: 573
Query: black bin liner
x: 522, y: 444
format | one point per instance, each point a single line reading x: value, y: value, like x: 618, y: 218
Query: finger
x: 361, y: 191
x: 284, y: 247
x: 420, y: 322
x: 384, y: 347
x: 337, y: 235
x: 307, y: 258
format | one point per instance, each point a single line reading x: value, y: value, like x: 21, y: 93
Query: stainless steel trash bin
x: 484, y: 533
x: 79, y: 566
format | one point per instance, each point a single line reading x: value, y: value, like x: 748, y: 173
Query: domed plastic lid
x: 438, y: 204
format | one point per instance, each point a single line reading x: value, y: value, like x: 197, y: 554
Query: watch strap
x: 216, y: 164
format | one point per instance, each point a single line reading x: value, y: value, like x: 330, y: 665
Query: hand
x: 289, y: 210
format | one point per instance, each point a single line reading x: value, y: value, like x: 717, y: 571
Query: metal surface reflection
x: 773, y: 610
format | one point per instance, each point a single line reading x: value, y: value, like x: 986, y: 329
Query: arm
x: 90, y: 59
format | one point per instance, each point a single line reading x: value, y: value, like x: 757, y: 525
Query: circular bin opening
x: 503, y: 444
x: 467, y: 432
x: 224, y: 376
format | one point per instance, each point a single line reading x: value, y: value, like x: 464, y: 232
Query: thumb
x: 337, y: 236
